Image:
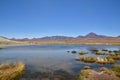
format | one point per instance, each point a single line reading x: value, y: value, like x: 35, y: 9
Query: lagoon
x: 51, y: 62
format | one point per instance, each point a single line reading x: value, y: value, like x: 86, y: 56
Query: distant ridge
x: 118, y: 36
x: 80, y: 36
x: 89, y: 35
x: 90, y: 38
x: 55, y: 38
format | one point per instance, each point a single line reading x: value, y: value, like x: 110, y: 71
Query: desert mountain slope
x: 3, y: 39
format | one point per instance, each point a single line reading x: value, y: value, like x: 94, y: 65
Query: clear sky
x: 38, y: 18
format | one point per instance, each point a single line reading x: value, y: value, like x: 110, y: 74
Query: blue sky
x: 38, y: 18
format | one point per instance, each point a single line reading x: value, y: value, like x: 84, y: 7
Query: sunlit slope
x: 3, y: 39
x: 6, y: 41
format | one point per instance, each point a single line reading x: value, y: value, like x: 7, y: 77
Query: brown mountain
x: 94, y: 35
x: 55, y: 38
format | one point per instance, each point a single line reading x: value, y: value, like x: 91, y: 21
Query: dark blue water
x: 45, y: 61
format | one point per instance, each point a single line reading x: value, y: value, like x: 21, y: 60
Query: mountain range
x: 89, y: 35
x: 91, y: 38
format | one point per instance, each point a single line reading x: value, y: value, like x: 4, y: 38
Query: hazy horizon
x: 39, y: 18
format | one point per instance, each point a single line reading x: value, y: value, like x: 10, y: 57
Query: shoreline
x: 27, y: 44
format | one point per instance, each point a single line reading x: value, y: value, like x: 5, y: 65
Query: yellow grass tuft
x: 8, y: 72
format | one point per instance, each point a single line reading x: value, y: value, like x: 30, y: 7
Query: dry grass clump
x: 104, y: 50
x: 105, y: 70
x: 74, y: 52
x: 100, y: 53
x: 4, y: 66
x: 105, y: 61
x: 116, y: 51
x: 116, y: 70
x: 95, y: 51
x: 91, y: 59
x: 84, y: 74
x: 115, y: 56
x: 86, y: 67
x: 8, y: 72
x: 109, y: 58
x: 87, y: 59
x: 82, y: 53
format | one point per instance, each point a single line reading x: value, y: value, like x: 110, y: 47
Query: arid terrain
x: 90, y: 38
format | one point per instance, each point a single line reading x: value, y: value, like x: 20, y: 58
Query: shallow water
x: 50, y: 62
